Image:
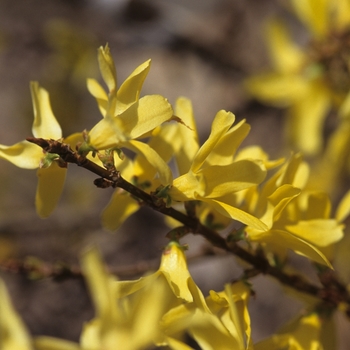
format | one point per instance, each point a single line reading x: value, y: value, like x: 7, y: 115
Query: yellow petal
x: 343, y: 209
x: 187, y: 186
x: 120, y: 207
x: 174, y: 268
x: 281, y: 197
x: 221, y: 124
x: 187, y: 135
x: 50, y: 343
x: 314, y: 14
x: 97, y: 91
x: 256, y: 152
x: 126, y: 288
x: 13, y: 333
x: 129, y: 91
x: 102, y: 286
x: 176, y: 344
x: 45, y: 124
x: 306, y: 119
x: 152, y: 111
x: 50, y: 186
x: 164, y: 172
x: 285, y: 240
x: 287, y: 57
x: 107, y: 133
x: 237, y: 214
x: 342, y: 11
x: 318, y: 206
x: 237, y: 320
x: 225, y: 150
x: 73, y: 139
x: 107, y: 68
x: 24, y: 154
x: 221, y: 180
x: 320, y: 232
x: 278, y: 89
x: 210, y: 333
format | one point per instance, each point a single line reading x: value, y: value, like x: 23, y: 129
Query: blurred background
x: 201, y: 49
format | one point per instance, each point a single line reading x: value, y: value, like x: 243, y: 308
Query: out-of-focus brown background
x: 200, y: 49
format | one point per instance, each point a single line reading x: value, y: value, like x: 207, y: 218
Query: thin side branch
x: 332, y: 293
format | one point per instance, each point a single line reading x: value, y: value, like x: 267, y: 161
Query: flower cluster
x: 162, y: 309
x: 308, y: 81
x: 218, y: 185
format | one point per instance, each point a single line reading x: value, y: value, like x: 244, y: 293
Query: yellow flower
x: 308, y: 81
x: 126, y: 116
x: 221, y: 320
x: 302, y: 333
x: 210, y: 173
x: 303, y: 226
x: 334, y: 163
x: 27, y: 155
x: 132, y: 323
x: 13, y: 333
x: 141, y: 173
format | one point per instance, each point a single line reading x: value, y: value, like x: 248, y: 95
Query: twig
x: 331, y: 294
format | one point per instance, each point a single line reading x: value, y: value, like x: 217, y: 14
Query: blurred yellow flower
x: 302, y: 333
x: 309, y: 81
x: 13, y: 333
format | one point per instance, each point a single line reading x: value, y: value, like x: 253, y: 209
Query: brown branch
x: 332, y: 294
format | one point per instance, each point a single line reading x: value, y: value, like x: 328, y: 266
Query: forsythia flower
x: 159, y: 309
x: 13, y: 333
x: 303, y: 333
x: 215, y: 322
x: 335, y: 160
x: 127, y: 117
x: 305, y: 228
x: 140, y: 172
x: 308, y: 81
x: 210, y: 173
x: 27, y: 155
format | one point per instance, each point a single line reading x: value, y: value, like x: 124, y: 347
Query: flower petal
x: 221, y: 124
x: 221, y: 180
x: 45, y: 124
x: 343, y: 210
x: 306, y: 117
x: 226, y: 148
x: 107, y: 68
x: 320, y: 232
x: 314, y: 14
x: 50, y: 343
x: 50, y: 186
x: 285, y: 240
x: 278, y: 89
x: 152, y: 111
x: 187, y: 135
x: 129, y: 91
x: 23, y: 154
x: 286, y: 56
x: 13, y: 332
x: 236, y: 214
x: 107, y: 133
x: 100, y: 95
x: 120, y: 207
x: 164, y: 172
x: 101, y: 286
x: 174, y: 267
